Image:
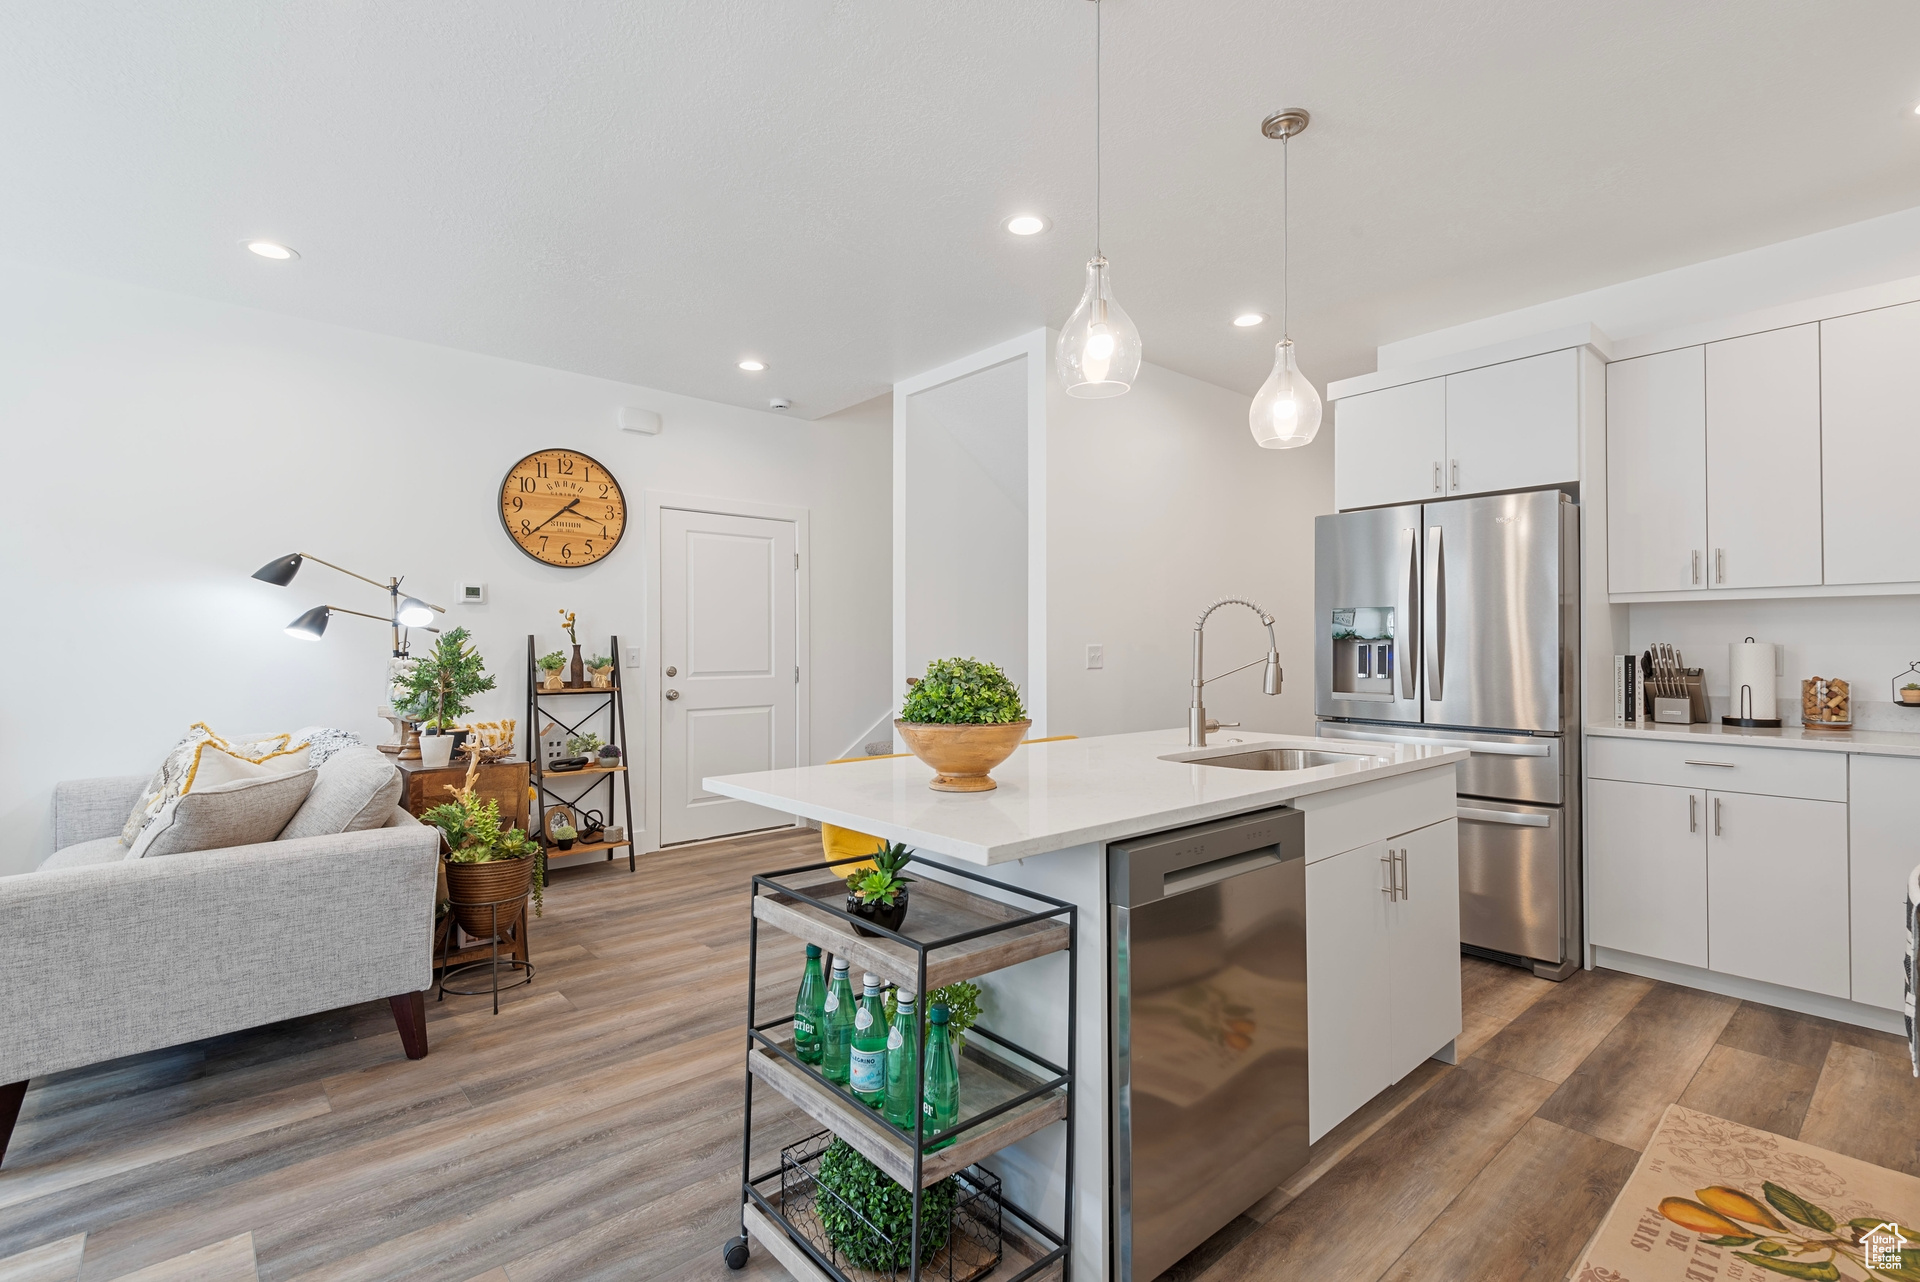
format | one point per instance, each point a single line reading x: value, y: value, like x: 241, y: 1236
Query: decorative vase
x: 579, y: 667
x: 553, y: 679
x: 506, y: 882
x: 436, y: 750
x: 602, y: 677
x: 879, y: 914
x: 962, y: 755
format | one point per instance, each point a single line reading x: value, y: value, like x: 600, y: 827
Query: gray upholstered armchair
x: 104, y: 959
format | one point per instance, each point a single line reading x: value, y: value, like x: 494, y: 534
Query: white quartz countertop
x: 1068, y: 792
x: 1873, y: 743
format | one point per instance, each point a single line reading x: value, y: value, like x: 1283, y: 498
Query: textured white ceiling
x: 649, y: 189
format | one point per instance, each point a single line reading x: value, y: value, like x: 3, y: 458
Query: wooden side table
x: 505, y: 782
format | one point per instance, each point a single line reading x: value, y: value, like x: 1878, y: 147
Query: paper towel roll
x: 1751, y: 688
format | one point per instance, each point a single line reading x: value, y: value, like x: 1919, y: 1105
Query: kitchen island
x: 1382, y: 937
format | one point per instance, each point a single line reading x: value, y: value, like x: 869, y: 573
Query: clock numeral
x: 605, y: 490
x: 588, y: 476
x: 526, y: 482
x: 541, y: 467
x: 566, y: 551
x: 516, y: 502
x: 543, y: 543
x: 526, y: 528
x: 603, y: 531
x: 566, y: 466
x: 610, y: 511
x: 589, y: 547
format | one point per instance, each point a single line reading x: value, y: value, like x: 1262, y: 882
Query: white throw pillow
x: 228, y: 800
x: 356, y: 789
x: 177, y: 772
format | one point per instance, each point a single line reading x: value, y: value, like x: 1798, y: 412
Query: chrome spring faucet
x: 1197, y: 723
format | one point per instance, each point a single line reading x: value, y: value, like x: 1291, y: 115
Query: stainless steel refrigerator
x: 1458, y: 622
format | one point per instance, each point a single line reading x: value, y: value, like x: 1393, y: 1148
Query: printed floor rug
x: 1713, y: 1201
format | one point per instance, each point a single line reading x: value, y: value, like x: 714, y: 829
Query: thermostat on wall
x: 473, y: 594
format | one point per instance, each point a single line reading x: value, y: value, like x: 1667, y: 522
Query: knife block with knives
x: 1676, y: 694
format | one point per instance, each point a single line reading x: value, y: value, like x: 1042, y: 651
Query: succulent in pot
x: 879, y: 893
x: 600, y: 672
x: 564, y: 836
x: 609, y: 756
x: 552, y: 676
x: 1910, y: 693
x: 962, y: 718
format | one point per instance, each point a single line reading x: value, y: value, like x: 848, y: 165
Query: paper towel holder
x: 1894, y: 685
x: 1742, y: 715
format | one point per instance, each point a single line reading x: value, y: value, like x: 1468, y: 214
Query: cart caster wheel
x: 736, y: 1252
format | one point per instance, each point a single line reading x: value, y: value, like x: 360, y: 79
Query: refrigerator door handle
x: 1486, y: 814
x: 1435, y: 624
x: 1406, y: 634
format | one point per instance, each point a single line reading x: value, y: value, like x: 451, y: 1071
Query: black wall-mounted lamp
x: 407, y: 611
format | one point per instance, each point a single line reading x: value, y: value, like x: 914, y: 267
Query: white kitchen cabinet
x: 1390, y: 446
x: 1777, y: 890
x: 1657, y: 472
x: 1883, y: 822
x: 1763, y: 458
x: 1383, y: 967
x: 1423, y: 943
x: 1514, y: 426
x: 1647, y: 869
x: 1870, y: 421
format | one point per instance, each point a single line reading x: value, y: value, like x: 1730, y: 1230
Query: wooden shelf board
x: 985, y: 1081
x: 539, y: 690
x: 586, y: 847
x: 934, y: 910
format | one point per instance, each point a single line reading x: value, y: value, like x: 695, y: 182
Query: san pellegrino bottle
x: 903, y: 1063
x: 809, y: 1009
x: 942, y: 1106
x: 868, y: 1063
x: 836, y: 1036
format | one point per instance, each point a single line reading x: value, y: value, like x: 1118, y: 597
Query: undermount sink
x: 1282, y: 759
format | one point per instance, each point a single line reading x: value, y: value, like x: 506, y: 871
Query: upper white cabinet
x: 1390, y: 446
x: 1511, y: 426
x: 1657, y: 472
x: 1514, y: 426
x: 1763, y: 458
x: 1870, y: 412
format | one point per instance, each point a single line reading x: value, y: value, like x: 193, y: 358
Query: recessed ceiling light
x: 1246, y: 320
x: 1026, y: 224
x: 752, y: 366
x: 271, y: 249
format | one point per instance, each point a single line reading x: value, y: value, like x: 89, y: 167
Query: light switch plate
x: 633, y: 656
x: 1096, y: 656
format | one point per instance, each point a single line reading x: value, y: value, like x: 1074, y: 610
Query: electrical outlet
x: 1096, y: 656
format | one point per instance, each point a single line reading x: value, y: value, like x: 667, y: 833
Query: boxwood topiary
x: 851, y: 1181
x: 963, y: 692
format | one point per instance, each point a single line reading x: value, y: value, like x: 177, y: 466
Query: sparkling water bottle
x: 942, y: 1106
x: 809, y: 1009
x: 836, y: 1036
x: 903, y: 1063
x: 867, y: 1068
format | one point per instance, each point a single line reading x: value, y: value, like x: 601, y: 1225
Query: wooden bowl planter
x: 962, y: 755
x: 481, y: 884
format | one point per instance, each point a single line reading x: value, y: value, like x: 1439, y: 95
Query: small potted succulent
x: 963, y: 718
x: 609, y: 757
x: 1910, y: 693
x: 879, y: 893
x: 551, y: 676
x: 600, y: 671
x: 564, y: 836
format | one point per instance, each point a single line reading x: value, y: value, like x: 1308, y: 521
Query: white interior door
x: 729, y: 672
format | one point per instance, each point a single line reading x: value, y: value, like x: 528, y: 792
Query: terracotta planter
x: 468, y: 884
x: 961, y: 756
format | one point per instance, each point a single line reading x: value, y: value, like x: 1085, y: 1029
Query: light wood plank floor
x: 592, y: 1129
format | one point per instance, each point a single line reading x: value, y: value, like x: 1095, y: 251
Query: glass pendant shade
x: 1099, y: 349
x: 1286, y: 410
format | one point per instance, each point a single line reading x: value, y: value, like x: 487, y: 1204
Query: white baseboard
x: 1754, y: 990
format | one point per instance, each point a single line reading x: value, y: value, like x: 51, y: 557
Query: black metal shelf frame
x: 1063, y: 1076
x: 613, y: 702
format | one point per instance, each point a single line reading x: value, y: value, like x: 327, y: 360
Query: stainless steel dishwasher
x: 1209, y: 1017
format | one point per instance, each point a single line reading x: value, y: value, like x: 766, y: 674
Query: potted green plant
x: 609, y: 757
x: 600, y: 670
x: 436, y: 691
x: 963, y: 718
x: 584, y: 744
x: 485, y: 865
x: 564, y: 836
x: 962, y: 1000
x: 551, y: 676
x: 869, y: 1217
x: 879, y: 893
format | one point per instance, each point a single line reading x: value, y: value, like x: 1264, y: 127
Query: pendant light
x: 1099, y: 349
x: 1286, y: 410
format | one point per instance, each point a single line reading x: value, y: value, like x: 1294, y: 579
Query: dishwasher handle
x: 1175, y: 883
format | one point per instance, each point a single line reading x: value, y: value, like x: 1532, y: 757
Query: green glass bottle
x: 867, y: 1065
x: 836, y: 1036
x: 942, y: 1106
x: 903, y: 1063
x: 809, y: 1009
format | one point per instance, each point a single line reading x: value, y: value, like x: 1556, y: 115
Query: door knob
x: 673, y: 694
x: 673, y: 672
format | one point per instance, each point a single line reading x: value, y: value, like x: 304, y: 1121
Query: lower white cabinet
x: 1883, y: 817
x: 1777, y: 890
x: 1383, y: 966
x: 1647, y: 870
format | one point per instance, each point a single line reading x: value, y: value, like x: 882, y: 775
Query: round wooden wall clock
x: 562, y: 508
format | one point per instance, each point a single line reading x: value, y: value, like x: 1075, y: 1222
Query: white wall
x: 966, y: 515
x: 1158, y: 503
x: 163, y: 447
